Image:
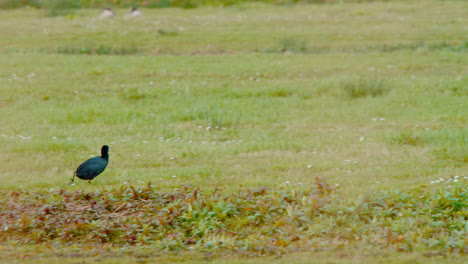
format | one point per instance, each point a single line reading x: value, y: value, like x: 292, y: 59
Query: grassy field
x: 370, y: 98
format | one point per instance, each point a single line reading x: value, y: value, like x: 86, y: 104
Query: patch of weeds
x: 363, y: 87
x: 99, y: 50
x: 251, y: 222
x: 61, y: 7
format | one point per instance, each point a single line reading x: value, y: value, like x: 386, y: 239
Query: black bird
x: 91, y: 168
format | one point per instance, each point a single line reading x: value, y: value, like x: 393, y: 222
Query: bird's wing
x: 93, y: 163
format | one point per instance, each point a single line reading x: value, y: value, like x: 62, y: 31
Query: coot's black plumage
x: 91, y: 168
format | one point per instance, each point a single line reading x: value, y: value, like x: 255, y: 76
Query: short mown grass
x: 239, y: 133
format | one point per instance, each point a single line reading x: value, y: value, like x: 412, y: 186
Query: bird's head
x: 104, y: 150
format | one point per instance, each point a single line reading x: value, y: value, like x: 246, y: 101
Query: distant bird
x: 135, y: 12
x: 91, y: 168
x: 106, y: 13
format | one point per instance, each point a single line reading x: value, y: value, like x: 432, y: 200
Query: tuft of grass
x: 168, y: 33
x: 364, y: 87
x: 408, y: 138
x: 289, y: 45
x: 449, y: 144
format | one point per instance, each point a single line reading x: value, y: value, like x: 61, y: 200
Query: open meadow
x: 244, y: 134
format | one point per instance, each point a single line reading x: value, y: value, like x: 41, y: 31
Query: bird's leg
x: 89, y: 181
x: 73, y: 178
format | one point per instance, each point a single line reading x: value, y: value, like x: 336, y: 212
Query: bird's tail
x: 73, y: 178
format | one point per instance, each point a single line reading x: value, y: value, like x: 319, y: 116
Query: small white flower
x: 173, y: 176
x: 456, y: 176
x: 309, y: 166
x: 54, y: 137
x: 361, y: 138
x: 382, y: 118
x: 455, y: 180
x: 144, y: 141
x: 287, y: 182
x: 151, y: 83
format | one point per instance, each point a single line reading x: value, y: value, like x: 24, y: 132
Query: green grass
x: 370, y: 97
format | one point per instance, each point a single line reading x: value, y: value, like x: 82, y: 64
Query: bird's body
x: 106, y: 13
x: 135, y: 12
x: 92, y: 167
